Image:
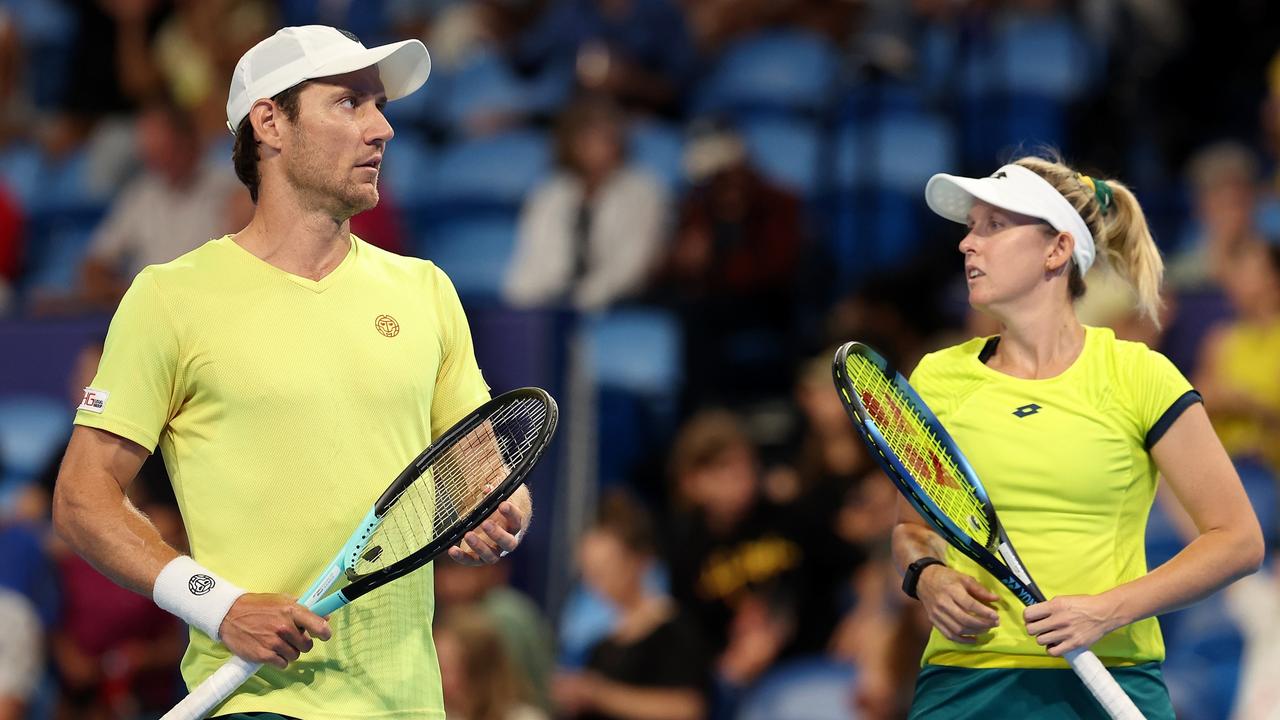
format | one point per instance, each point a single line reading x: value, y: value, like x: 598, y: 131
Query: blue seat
x: 54, y: 263
x: 484, y: 85
x: 407, y: 169
x: 802, y: 689
x: 1044, y: 55
x: 496, y: 171
x: 785, y: 150
x: 636, y: 349
x: 659, y: 148
x: 887, y: 150
x: 474, y: 252
x: 778, y: 71
x: 22, y: 170
x: 32, y: 429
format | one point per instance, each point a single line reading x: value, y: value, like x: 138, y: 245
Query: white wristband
x: 195, y: 594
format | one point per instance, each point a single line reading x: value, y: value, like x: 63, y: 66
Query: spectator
x: 653, y: 664
x: 590, y: 234
x: 21, y: 655
x: 11, y: 226
x: 525, y: 633
x: 637, y: 52
x: 112, y: 69
x: 716, y: 23
x: 732, y: 269
x: 174, y: 207
x: 1224, y: 180
x: 196, y: 49
x: 1254, y: 603
x: 761, y: 579
x: 475, y: 672
x: 1239, y: 373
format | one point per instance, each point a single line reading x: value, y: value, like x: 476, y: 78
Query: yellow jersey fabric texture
x: 284, y: 406
x: 1066, y: 463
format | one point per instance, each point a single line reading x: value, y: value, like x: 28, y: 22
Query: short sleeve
x: 135, y: 391
x: 460, y: 388
x: 925, y: 381
x: 1158, y: 393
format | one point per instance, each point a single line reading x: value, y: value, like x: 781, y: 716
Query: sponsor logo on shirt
x: 387, y: 325
x: 1028, y: 409
x: 94, y: 400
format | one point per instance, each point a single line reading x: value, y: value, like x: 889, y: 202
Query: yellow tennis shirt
x: 284, y: 406
x: 1065, y: 461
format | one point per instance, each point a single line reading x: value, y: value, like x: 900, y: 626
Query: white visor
x: 1016, y: 189
x: 296, y: 54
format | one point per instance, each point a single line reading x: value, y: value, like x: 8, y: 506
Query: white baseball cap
x: 295, y: 54
x: 1016, y: 189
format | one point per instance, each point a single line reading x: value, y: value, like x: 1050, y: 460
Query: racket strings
x: 455, y: 483
x: 919, y: 450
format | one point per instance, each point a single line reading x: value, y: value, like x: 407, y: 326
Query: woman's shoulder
x: 1125, y: 358
x: 952, y: 359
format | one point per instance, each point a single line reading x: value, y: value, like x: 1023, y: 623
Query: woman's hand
x: 956, y: 604
x: 1071, y: 622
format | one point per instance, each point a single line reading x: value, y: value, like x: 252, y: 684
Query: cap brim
x: 952, y: 197
x: 403, y: 66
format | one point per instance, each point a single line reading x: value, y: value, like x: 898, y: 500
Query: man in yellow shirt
x: 289, y: 372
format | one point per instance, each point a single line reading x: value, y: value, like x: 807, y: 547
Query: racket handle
x: 1103, y: 686
x: 215, y: 689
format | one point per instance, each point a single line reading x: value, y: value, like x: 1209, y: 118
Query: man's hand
x: 497, y: 536
x: 271, y: 629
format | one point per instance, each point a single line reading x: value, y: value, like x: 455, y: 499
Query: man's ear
x: 267, y: 120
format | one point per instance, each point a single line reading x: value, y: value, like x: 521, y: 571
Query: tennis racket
x: 446, y: 492
x: 923, y: 461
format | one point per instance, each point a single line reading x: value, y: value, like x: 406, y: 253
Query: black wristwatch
x: 912, y: 577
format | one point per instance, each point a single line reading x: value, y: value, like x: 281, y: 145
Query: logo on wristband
x: 200, y: 584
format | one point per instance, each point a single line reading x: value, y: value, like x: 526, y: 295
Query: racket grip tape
x: 1104, y: 687
x: 216, y: 688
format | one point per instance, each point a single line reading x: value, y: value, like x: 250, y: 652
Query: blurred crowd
x: 740, y: 179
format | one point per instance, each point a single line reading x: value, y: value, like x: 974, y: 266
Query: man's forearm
x: 92, y: 514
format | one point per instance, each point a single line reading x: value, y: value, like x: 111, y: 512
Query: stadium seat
x: 485, y: 85
x: 22, y: 171
x: 786, y: 150
x: 780, y: 71
x: 474, y: 252
x: 888, y: 147
x: 635, y: 349
x: 32, y: 429
x: 493, y: 171
x: 407, y: 169
x: 635, y: 357
x: 54, y: 263
x: 802, y: 689
x: 658, y: 148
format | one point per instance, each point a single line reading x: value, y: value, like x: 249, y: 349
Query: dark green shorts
x: 953, y: 693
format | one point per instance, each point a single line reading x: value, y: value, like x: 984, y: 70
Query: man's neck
x: 307, y: 242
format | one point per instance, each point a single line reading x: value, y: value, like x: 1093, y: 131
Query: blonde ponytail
x: 1119, y: 230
